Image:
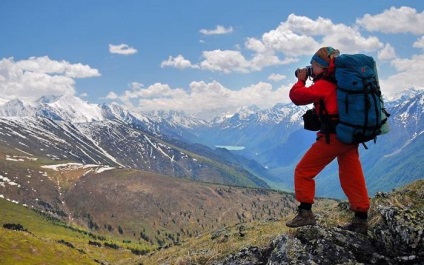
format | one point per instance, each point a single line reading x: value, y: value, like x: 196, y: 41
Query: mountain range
x: 67, y: 128
x: 276, y: 139
x: 253, y: 147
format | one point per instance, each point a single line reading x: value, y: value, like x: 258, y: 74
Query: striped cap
x: 324, y: 55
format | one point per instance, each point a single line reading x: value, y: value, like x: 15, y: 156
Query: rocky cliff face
x: 395, y: 237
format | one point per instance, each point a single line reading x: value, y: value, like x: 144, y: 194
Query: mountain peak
x: 406, y: 94
x: 71, y: 108
x: 16, y: 108
x: 47, y: 99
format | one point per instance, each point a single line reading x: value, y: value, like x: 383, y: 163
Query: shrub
x: 93, y: 243
x: 16, y: 227
x: 66, y: 243
x: 111, y: 245
x: 139, y: 251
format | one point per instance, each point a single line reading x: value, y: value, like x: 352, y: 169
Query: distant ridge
x: 273, y: 139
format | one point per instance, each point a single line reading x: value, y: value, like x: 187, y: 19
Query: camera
x: 309, y: 72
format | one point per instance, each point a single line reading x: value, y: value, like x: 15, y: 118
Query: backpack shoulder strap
x: 328, y: 124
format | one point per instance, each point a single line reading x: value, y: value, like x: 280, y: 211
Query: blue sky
x: 203, y: 57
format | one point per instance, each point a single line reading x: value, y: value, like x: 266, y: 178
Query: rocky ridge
x: 395, y: 237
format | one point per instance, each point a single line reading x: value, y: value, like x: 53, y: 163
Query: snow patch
x: 8, y: 181
x: 75, y: 166
x: 20, y: 158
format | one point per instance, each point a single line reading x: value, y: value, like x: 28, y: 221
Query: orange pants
x: 319, y: 155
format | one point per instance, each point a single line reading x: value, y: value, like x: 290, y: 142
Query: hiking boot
x: 357, y: 225
x: 303, y: 217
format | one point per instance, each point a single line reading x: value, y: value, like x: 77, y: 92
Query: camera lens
x: 309, y: 72
x: 295, y: 72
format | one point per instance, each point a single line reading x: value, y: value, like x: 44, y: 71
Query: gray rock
x: 396, y: 239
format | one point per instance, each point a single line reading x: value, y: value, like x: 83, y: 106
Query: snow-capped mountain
x: 69, y: 108
x: 275, y: 138
x: 280, y: 113
x: 178, y: 118
x: 260, y: 134
x: 67, y: 127
x: 16, y: 108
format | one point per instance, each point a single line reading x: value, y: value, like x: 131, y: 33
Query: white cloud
x: 255, y: 45
x: 136, y: 85
x: 226, y: 61
x: 285, y: 40
x: 178, y: 62
x: 387, y: 53
x: 395, y: 20
x: 261, y: 60
x: 407, y: 76
x: 419, y: 43
x: 46, y: 65
x: 276, y: 77
x: 301, y: 35
x: 230, y: 61
x: 40, y: 76
x: 294, y: 38
x: 112, y: 95
x: 297, y: 36
x: 203, y: 98
x: 122, y: 49
x: 217, y: 31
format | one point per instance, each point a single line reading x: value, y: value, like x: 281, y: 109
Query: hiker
x: 322, y: 93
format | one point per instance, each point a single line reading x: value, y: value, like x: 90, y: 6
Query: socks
x: 362, y: 215
x: 308, y: 206
x: 305, y: 206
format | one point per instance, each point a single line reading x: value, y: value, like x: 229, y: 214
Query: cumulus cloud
x: 387, y: 53
x: 292, y: 39
x: 112, y: 95
x: 419, y: 43
x: 178, y: 62
x: 407, y: 76
x: 297, y: 36
x: 122, y: 49
x: 202, y: 98
x: 276, y: 77
x: 39, y: 76
x: 406, y: 19
x: 219, y: 30
x: 226, y: 61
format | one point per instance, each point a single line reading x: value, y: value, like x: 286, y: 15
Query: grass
x: 26, y: 248
x: 217, y: 244
x: 217, y: 220
x: 47, y: 239
x: 50, y: 241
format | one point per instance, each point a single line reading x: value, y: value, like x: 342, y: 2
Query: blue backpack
x: 362, y: 115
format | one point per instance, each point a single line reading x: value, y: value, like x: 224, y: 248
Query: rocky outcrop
x: 396, y: 238
x: 400, y: 236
